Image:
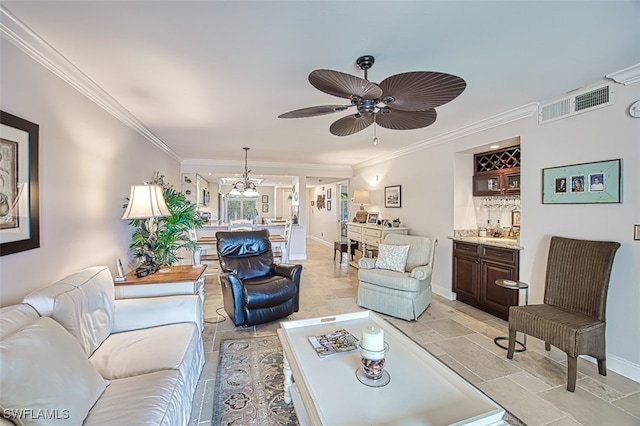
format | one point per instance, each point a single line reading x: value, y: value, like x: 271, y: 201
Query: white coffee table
x: 422, y: 391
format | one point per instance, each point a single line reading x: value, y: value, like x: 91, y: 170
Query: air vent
x: 576, y: 103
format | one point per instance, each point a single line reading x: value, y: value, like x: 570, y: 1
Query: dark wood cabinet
x: 476, y: 267
x: 497, y: 173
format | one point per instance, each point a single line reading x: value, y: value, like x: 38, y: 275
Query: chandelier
x: 244, y: 187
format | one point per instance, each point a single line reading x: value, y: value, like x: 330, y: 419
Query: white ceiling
x: 209, y: 77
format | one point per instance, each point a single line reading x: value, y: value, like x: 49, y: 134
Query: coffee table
x: 422, y: 390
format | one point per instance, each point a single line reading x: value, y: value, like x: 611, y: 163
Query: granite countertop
x: 487, y: 241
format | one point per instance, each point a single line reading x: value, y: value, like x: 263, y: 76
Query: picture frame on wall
x: 585, y: 183
x: 328, y: 194
x: 19, y: 204
x: 265, y: 208
x: 372, y: 217
x: 328, y: 205
x: 265, y: 198
x: 393, y: 196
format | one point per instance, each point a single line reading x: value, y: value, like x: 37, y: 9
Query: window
x: 241, y: 208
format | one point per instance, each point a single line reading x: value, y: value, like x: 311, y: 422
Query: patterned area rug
x: 249, y: 384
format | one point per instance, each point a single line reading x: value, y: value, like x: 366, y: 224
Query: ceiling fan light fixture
x: 405, y: 101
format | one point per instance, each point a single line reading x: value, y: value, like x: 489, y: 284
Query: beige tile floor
x: 531, y: 386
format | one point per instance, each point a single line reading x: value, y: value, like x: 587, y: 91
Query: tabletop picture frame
x: 393, y: 196
x: 372, y: 217
x: 584, y: 183
x: 20, y: 220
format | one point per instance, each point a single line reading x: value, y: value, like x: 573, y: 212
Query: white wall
x: 88, y: 161
x: 429, y: 179
x: 324, y: 224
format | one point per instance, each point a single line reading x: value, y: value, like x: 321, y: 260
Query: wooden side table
x: 182, y: 279
x: 514, y: 285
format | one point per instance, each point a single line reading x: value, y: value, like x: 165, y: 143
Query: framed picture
x: 373, y: 217
x: 313, y: 203
x: 328, y: 193
x: 636, y: 232
x: 19, y: 199
x: 265, y: 207
x: 515, y: 218
x: 393, y: 196
x: 265, y: 198
x: 586, y: 183
x: 328, y: 205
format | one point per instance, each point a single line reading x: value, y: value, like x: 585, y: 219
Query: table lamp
x: 147, y: 202
x: 361, y: 196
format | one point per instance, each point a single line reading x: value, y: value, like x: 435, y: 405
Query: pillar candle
x: 373, y: 339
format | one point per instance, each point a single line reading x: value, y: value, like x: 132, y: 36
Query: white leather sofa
x: 72, y: 354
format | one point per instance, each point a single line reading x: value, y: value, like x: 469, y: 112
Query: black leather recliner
x: 254, y: 289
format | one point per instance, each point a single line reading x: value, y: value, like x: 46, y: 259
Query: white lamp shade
x: 146, y: 201
x: 361, y: 196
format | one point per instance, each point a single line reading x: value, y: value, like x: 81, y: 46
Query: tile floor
x: 531, y: 386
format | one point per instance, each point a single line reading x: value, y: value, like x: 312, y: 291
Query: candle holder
x: 372, y: 372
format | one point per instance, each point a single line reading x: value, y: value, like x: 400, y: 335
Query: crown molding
x: 479, y: 126
x: 268, y: 165
x: 626, y: 76
x: 19, y: 34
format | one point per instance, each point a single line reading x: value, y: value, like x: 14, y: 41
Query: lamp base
x: 362, y: 214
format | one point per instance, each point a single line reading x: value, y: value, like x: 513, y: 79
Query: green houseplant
x: 160, y: 245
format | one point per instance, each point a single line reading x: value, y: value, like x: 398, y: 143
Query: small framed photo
x: 596, y: 182
x: 636, y: 232
x: 373, y: 217
x: 265, y: 198
x: 577, y: 184
x: 515, y: 218
x: 560, y: 186
x: 328, y: 194
x: 313, y: 203
x: 393, y: 196
x: 265, y: 208
x: 328, y: 205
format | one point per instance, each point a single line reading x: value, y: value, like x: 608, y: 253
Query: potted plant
x: 160, y: 244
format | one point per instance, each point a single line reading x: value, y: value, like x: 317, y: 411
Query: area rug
x: 249, y: 384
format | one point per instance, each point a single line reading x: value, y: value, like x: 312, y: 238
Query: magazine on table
x: 339, y: 341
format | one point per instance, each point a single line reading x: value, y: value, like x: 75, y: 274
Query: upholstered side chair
x: 404, y: 293
x: 572, y: 317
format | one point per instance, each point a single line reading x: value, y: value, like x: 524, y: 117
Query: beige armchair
x: 403, y: 294
x: 572, y: 317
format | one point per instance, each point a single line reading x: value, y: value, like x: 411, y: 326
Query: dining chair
x: 572, y: 316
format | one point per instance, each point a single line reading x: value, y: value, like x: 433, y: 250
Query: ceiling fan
x: 400, y: 102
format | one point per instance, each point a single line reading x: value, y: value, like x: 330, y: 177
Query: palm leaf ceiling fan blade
x: 343, y: 85
x: 420, y: 90
x: 405, y: 120
x: 314, y: 111
x: 351, y: 124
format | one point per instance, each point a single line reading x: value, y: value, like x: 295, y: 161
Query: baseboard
x: 442, y: 291
x: 619, y: 365
x: 318, y: 240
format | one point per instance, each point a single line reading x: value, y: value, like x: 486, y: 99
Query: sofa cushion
x: 150, y: 399
x: 44, y: 368
x: 82, y: 303
x: 15, y: 317
x: 392, y: 257
x: 136, y: 352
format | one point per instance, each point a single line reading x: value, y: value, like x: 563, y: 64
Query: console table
x: 370, y: 235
